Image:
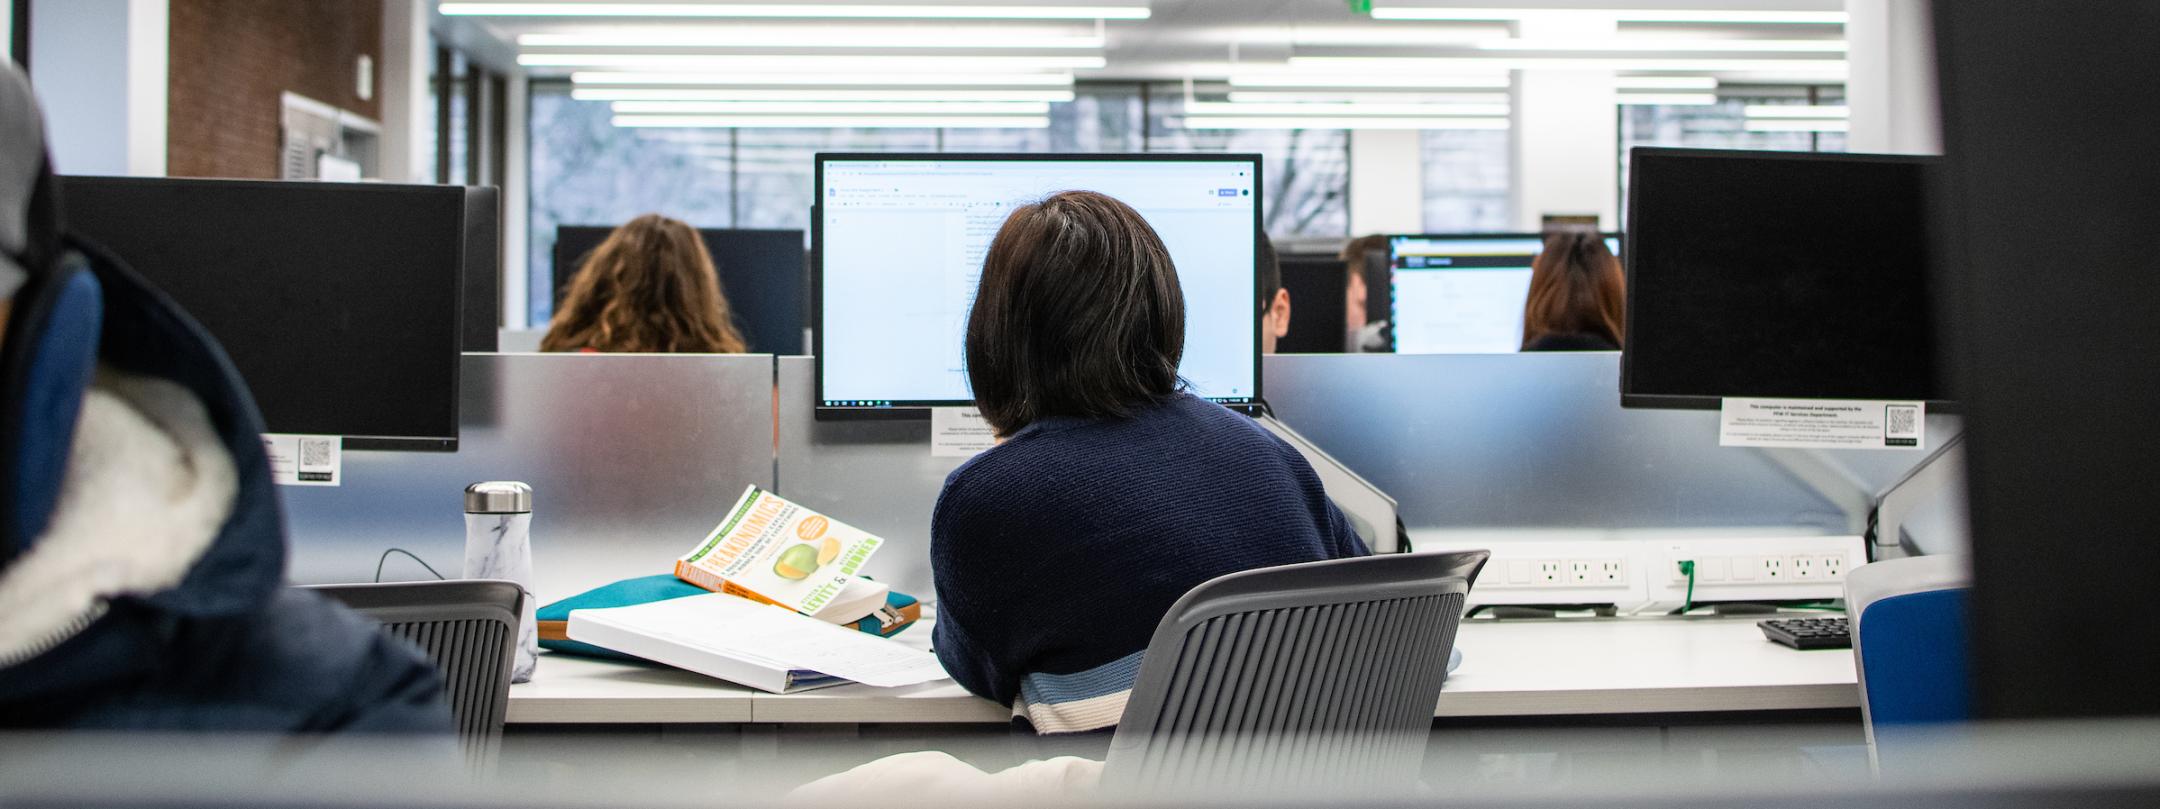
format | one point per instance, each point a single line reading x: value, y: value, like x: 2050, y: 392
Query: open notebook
x: 756, y: 645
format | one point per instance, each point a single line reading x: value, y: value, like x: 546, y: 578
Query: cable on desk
x: 409, y: 554
x: 1687, y: 567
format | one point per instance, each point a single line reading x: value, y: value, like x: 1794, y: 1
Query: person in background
x: 1112, y: 491
x: 142, y: 554
x: 1274, y: 299
x: 1578, y: 297
x: 649, y: 288
x: 1365, y: 334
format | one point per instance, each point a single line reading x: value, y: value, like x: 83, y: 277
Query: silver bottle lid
x: 498, y: 497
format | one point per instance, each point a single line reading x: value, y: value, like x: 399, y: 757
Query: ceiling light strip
x: 1786, y: 125
x: 797, y: 10
x: 812, y: 94
x: 1796, y: 111
x: 830, y: 40
x: 1668, y: 99
x: 822, y: 64
x: 831, y: 108
x: 1666, y: 83
x: 741, y: 79
x: 1354, y: 109
x: 1361, y: 64
x: 834, y: 121
x: 1733, y: 16
x: 1344, y: 81
x: 1320, y: 122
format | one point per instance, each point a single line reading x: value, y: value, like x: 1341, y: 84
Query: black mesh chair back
x: 468, y: 627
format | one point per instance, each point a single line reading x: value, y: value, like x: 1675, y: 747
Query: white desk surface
x: 1572, y: 666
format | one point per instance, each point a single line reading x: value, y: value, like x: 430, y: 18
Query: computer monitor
x: 1777, y: 275
x: 1462, y: 293
x: 1317, y: 285
x: 338, y: 302
x: 900, y: 240
x: 764, y: 274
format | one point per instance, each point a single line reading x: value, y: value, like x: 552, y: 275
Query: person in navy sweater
x: 1113, y: 491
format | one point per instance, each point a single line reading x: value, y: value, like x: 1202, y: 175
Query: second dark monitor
x: 763, y: 273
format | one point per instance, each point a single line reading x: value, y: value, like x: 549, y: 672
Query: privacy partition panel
x: 632, y: 459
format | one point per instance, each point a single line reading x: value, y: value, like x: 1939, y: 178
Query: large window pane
x: 1723, y: 125
x: 1306, y: 171
x: 1466, y: 180
x: 773, y: 167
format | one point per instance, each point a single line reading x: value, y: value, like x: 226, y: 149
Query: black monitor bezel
x: 920, y: 408
x: 392, y: 443
x: 1660, y: 401
x: 1393, y: 347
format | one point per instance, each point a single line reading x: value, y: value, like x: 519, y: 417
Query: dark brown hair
x: 650, y: 287
x: 1576, y: 287
x: 1078, y: 314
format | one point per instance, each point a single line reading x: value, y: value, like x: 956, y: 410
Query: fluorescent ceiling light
x: 1393, y: 35
x: 1623, y: 15
x: 1412, y: 97
x: 824, y: 64
x: 1440, y: 63
x: 812, y: 94
x: 832, y: 107
x: 834, y: 121
x: 717, y: 79
x: 1316, y: 122
x: 1668, y: 99
x: 1454, y: 81
x: 1796, y: 111
x: 1775, y: 125
x: 798, y: 10
x: 1667, y: 45
x: 738, y: 37
x: 1665, y: 83
x: 1207, y: 108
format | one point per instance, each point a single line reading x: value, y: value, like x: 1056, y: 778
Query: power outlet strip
x: 1755, y: 568
x: 1561, y: 572
x: 1635, y: 573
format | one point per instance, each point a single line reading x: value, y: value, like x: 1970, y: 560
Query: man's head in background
x: 1274, y: 299
x: 1353, y: 256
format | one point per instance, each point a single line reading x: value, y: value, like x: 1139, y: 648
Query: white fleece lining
x: 148, y: 486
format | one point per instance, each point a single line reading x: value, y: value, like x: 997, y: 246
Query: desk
x: 1574, y: 666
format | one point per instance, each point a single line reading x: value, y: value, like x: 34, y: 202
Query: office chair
x: 1909, y: 619
x: 1295, y: 678
x: 468, y: 627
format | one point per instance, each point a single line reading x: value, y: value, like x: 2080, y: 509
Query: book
x: 777, y: 552
x: 752, y: 644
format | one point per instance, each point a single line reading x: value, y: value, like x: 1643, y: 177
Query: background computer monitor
x: 1317, y: 285
x: 764, y: 274
x: 338, y: 303
x: 1775, y: 274
x: 900, y: 239
x: 1462, y: 293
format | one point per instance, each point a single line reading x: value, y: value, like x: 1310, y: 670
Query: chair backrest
x: 1294, y: 677
x: 468, y: 627
x: 1909, y: 643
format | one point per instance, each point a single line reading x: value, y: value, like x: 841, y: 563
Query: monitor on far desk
x: 762, y: 273
x: 1462, y: 293
x: 900, y: 240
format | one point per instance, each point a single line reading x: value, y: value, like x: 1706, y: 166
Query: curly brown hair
x: 649, y: 288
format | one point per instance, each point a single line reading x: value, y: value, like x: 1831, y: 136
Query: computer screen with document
x: 1462, y: 294
x: 900, y: 241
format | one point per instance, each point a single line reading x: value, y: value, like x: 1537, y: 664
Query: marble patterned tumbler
x: 498, y: 545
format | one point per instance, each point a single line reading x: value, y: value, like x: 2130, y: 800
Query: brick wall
x: 232, y: 58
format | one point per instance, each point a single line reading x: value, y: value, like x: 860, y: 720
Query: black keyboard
x: 1808, y: 633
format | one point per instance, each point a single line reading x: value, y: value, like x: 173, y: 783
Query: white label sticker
x: 305, y: 460
x: 959, y: 432
x: 1822, y: 424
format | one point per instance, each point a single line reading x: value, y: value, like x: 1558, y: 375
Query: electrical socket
x: 1803, y: 567
x: 1548, y: 572
x: 1610, y: 571
x: 1773, y: 569
x: 1833, y: 567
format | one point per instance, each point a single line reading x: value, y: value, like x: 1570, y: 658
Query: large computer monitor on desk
x: 338, y: 303
x: 1317, y: 285
x: 900, y: 239
x: 1462, y: 293
x: 764, y: 274
x: 1777, y: 275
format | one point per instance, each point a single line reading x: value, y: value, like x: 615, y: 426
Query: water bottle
x: 498, y: 545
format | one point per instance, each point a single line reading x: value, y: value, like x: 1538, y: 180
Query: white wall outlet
x: 1590, y: 571
x: 1745, y: 568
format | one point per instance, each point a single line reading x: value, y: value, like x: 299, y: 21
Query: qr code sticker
x: 1901, y: 425
x: 318, y: 460
x: 314, y: 451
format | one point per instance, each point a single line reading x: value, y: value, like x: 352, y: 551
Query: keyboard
x: 1808, y: 633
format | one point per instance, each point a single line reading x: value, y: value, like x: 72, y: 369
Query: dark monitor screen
x: 1462, y: 293
x: 1779, y: 275
x: 338, y: 303
x: 1317, y: 286
x: 763, y: 273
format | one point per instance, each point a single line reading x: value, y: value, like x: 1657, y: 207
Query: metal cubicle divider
x: 1478, y: 446
x: 632, y: 459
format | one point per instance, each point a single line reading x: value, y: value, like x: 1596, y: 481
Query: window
x: 587, y: 171
x: 1724, y: 125
x: 1466, y: 180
